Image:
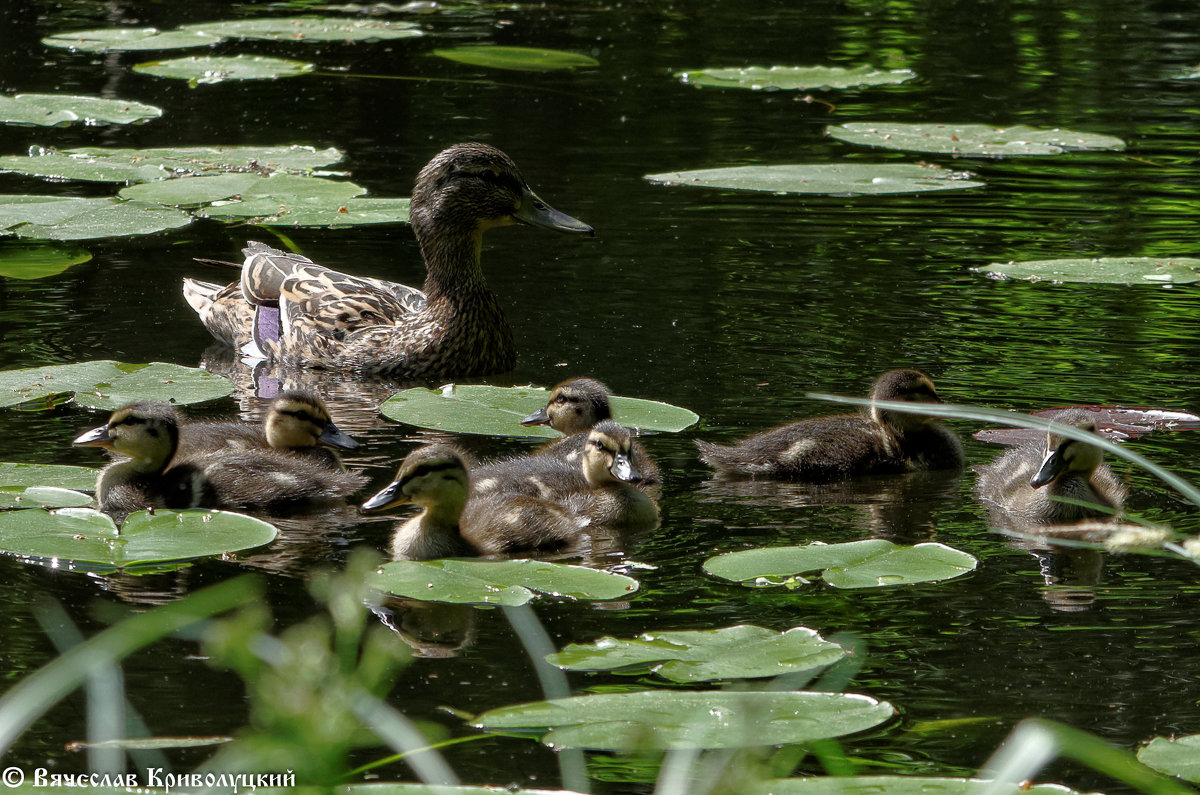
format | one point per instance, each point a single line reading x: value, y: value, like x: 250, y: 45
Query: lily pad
x: 85, y: 536
x: 970, y: 139
x: 498, y: 411
x: 740, y: 652
x: 306, y: 29
x: 873, y: 563
x: 668, y: 719
x: 38, y: 260
x: 838, y: 179
x: 758, y: 78
x: 108, y: 385
x: 1107, y: 270
x: 129, y: 39
x: 43, y: 497
x: 499, y: 582
x: 898, y: 785
x: 207, y: 69
x: 1175, y: 756
x: 73, y: 218
x: 20, y: 476
x: 58, y: 110
x: 521, y: 59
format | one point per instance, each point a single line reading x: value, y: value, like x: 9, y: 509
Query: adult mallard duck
x: 288, y: 309
x: 1063, y: 480
x: 875, y: 441
x: 573, y: 409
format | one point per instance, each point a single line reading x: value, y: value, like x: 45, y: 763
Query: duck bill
x: 536, y: 212
x: 1053, y: 466
x: 539, y: 417
x: 96, y: 437
x: 388, y: 497
x: 335, y: 438
x: 623, y: 469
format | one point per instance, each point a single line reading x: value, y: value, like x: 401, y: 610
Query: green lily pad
x: 58, y: 110
x: 668, y: 719
x: 108, y: 385
x: 758, y: 78
x: 72, y: 218
x: 897, y: 785
x: 1107, y: 270
x: 129, y: 39
x: 970, y: 139
x: 38, y: 260
x: 497, y: 582
x: 873, y: 563
x: 21, y: 476
x: 1175, y: 756
x: 498, y: 411
x: 740, y: 652
x: 85, y: 536
x: 43, y: 497
x: 207, y: 69
x: 306, y: 28
x: 355, y: 212
x: 837, y: 179
x: 521, y: 59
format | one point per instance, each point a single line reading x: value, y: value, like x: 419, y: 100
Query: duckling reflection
x: 1063, y: 480
x: 876, y: 441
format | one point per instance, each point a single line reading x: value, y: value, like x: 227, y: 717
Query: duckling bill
x: 836, y: 447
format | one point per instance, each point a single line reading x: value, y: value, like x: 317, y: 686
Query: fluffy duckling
x: 1032, y: 481
x: 273, y: 479
x: 574, y: 408
x: 435, y: 479
x: 875, y: 441
x: 289, y: 309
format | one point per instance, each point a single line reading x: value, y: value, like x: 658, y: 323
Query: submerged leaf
x: 57, y: 110
x: 108, y: 385
x: 1106, y: 270
x: 129, y: 39
x: 72, y: 218
x: 38, y: 260
x: 834, y: 179
x: 306, y: 29
x: 1175, y: 756
x: 758, y: 78
x: 205, y: 69
x: 505, y: 582
x: 522, y: 59
x: 970, y: 139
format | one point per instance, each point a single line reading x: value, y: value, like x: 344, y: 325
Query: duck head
x: 433, y: 477
x: 147, y: 431
x: 606, y: 455
x: 911, y: 386
x: 300, y: 419
x: 575, y: 406
x: 1066, y: 456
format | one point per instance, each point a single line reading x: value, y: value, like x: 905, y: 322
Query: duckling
x: 574, y: 408
x: 277, y: 480
x: 288, y: 309
x: 847, y: 445
x: 1032, y: 481
x: 436, y: 479
x: 148, y: 433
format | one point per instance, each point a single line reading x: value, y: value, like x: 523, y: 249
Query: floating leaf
x: 20, y: 476
x: 522, y: 59
x: 155, y: 743
x: 758, y: 78
x: 834, y: 179
x: 203, y: 69
x: 1107, y: 270
x: 108, y: 385
x: 503, y: 582
x: 44, y: 497
x: 498, y: 411
x: 38, y: 260
x: 897, y: 785
x: 873, y: 563
x: 740, y: 652
x: 664, y: 719
x: 85, y: 536
x: 129, y: 39
x: 58, y: 110
x: 1175, y: 756
x: 72, y: 218
x: 355, y: 212
x: 970, y: 139
x: 306, y: 29
x: 1115, y: 423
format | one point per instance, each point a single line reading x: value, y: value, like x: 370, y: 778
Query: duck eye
x: 489, y: 174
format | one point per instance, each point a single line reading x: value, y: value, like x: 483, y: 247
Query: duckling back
x: 276, y: 480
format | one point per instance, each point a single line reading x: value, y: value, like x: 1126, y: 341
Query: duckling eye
x: 489, y: 174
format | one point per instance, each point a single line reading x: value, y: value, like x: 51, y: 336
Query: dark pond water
x: 733, y: 304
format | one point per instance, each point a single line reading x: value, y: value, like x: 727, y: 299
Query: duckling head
x: 606, y: 455
x: 433, y: 477
x: 471, y: 187
x: 575, y: 406
x: 911, y: 386
x: 1066, y: 456
x: 147, y: 431
x: 300, y: 419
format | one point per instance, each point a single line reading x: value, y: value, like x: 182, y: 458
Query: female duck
x: 847, y: 445
x: 289, y: 309
x: 1064, y: 480
x: 574, y: 408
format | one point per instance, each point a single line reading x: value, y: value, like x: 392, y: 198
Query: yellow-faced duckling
x: 876, y: 441
x: 436, y: 479
x: 574, y: 408
x: 1062, y: 481
x: 287, y: 308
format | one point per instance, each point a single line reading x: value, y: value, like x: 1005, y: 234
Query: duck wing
x: 269, y: 272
